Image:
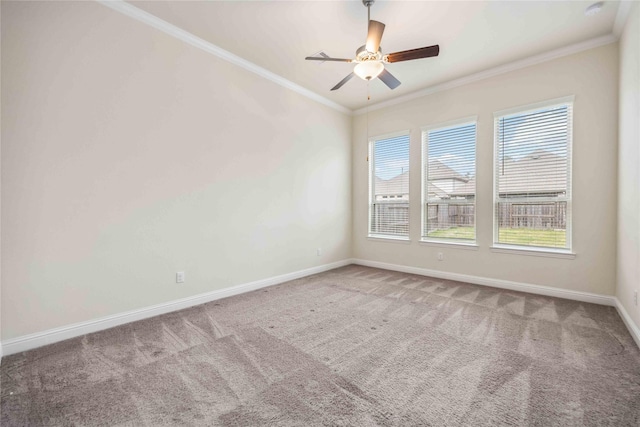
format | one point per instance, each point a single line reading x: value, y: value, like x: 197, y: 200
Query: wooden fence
x: 442, y: 216
x: 546, y: 215
x: 390, y: 218
x: 393, y: 217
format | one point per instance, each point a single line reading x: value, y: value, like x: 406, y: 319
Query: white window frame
x: 535, y: 250
x: 424, y: 174
x: 371, y: 159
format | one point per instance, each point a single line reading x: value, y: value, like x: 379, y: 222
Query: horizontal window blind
x: 449, y: 185
x: 389, y: 186
x: 533, y: 178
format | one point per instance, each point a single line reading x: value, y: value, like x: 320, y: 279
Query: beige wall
x: 128, y: 155
x: 592, y: 76
x: 629, y: 162
x: 1, y: 351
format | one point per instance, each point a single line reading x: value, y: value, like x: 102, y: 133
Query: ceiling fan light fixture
x: 368, y: 70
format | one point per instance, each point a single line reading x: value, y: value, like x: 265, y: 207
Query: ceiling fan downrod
x: 368, y: 4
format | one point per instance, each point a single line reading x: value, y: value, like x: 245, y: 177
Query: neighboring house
x: 390, y: 213
x: 533, y: 191
x: 448, y: 181
x: 535, y: 171
x: 539, y: 174
x: 395, y: 189
x: 444, y: 183
x: 542, y: 171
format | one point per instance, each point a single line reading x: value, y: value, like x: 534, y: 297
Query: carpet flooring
x: 355, y: 346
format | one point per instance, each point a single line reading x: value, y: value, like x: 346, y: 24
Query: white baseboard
x: 28, y: 342
x: 631, y: 326
x: 496, y: 283
x: 39, y: 339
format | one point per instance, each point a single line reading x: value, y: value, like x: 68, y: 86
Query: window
x: 389, y: 186
x: 449, y: 183
x: 532, y: 165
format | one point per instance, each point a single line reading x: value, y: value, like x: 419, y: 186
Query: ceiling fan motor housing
x: 362, y: 54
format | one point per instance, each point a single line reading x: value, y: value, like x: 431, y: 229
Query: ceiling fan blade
x: 407, y: 55
x: 388, y: 79
x: 375, y: 35
x: 322, y: 58
x: 343, y: 81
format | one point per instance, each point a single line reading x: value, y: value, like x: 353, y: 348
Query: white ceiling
x: 473, y: 36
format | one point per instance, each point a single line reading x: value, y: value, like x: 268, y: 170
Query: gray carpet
x: 355, y: 346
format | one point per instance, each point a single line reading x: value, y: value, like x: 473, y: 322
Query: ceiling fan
x: 370, y: 60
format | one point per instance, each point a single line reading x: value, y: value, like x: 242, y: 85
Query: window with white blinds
x: 449, y: 183
x: 533, y: 176
x: 389, y: 186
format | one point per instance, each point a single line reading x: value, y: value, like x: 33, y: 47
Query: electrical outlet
x: 319, y: 251
x: 635, y: 297
x: 180, y: 277
x: 440, y: 256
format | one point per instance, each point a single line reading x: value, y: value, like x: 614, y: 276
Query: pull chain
x: 368, y: 99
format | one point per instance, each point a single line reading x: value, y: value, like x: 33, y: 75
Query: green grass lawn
x: 513, y: 236
x: 529, y: 237
x: 465, y: 233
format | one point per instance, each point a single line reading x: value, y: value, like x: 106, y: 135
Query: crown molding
x: 501, y: 69
x: 131, y: 11
x: 624, y: 8
x: 180, y: 34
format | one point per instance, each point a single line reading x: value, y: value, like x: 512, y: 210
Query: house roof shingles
x: 540, y: 172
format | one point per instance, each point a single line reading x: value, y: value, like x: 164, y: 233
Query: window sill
x: 519, y: 250
x: 393, y: 239
x: 454, y: 245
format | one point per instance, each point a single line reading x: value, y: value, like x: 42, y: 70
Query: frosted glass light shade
x: 368, y: 70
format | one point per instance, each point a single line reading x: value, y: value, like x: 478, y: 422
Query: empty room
x: 320, y: 213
